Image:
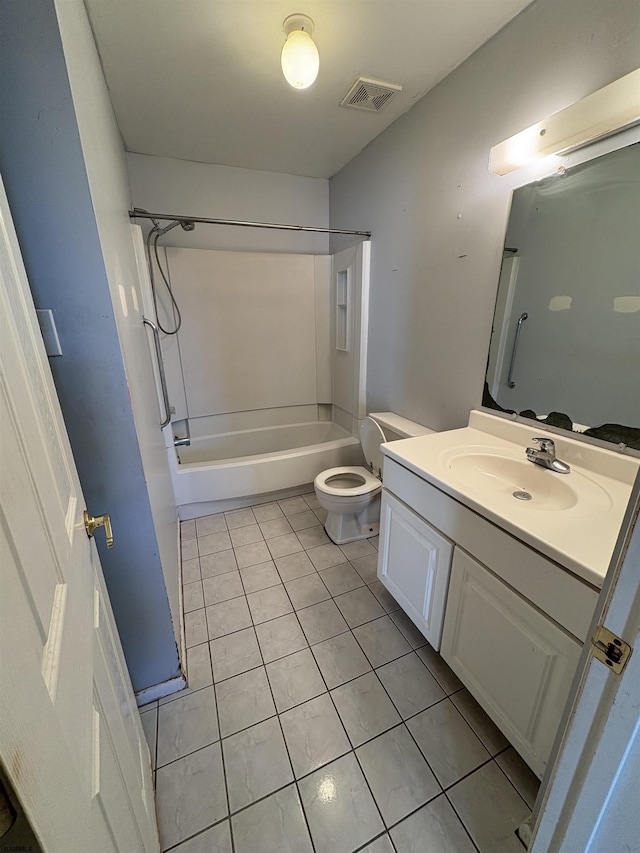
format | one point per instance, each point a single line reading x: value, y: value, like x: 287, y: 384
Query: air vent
x: 370, y: 95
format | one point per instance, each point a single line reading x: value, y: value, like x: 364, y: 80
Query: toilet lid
x: 371, y: 437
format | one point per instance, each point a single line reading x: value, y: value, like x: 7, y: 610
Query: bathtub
x: 218, y: 472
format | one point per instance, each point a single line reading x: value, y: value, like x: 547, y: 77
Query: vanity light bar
x: 603, y: 113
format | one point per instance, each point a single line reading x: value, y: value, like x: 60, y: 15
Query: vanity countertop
x: 572, y: 518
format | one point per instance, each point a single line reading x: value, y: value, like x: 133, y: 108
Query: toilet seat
x: 368, y: 485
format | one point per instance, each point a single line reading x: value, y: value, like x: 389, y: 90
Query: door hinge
x: 610, y: 649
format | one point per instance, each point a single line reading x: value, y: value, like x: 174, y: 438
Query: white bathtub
x: 233, y: 467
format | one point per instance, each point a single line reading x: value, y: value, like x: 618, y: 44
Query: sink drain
x: 522, y: 496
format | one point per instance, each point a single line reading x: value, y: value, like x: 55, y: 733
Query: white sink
x: 572, y: 518
x: 497, y: 475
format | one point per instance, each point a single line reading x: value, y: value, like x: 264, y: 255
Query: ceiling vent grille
x: 370, y: 95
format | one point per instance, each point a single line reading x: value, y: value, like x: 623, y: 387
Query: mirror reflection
x: 565, y: 345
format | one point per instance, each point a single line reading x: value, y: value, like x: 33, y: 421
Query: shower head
x: 185, y: 224
x: 188, y: 225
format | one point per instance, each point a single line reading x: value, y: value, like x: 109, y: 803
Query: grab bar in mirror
x: 510, y: 380
x: 163, y: 379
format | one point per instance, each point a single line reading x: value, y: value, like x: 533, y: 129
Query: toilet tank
x: 396, y: 427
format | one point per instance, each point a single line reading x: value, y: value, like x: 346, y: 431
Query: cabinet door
x: 517, y: 663
x: 414, y: 566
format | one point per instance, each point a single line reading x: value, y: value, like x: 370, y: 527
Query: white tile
x: 381, y: 641
x: 385, y: 598
x: 227, y: 617
x: 303, y: 520
x: 364, y: 708
x: 251, y: 555
x: 256, y: 763
x: 195, y: 627
x: 359, y: 606
x: 246, y: 535
x: 321, y: 514
x: 521, y: 777
x: 410, y: 684
x: 213, y: 543
x: 483, y: 726
x: 218, y: 564
x: 291, y: 506
x: 444, y: 675
x: 490, y: 808
x: 239, y: 518
x: 380, y: 845
x: 214, y: 840
x: 259, y: 577
x: 314, y: 735
x: 280, y: 546
x: 325, y: 556
x: 433, y: 827
x: 243, y: 701
x: 340, y: 659
x: 448, y: 743
x: 187, y: 530
x: 367, y: 567
x: 190, y: 571
x: 294, y: 679
x: 267, y: 512
x: 209, y: 524
x: 269, y: 603
x: 280, y: 637
x: 190, y: 795
x: 311, y: 500
x: 321, y: 621
x: 275, y: 527
x: 294, y: 566
x: 306, y: 591
x: 222, y: 588
x: 192, y: 596
x: 234, y: 653
x: 149, y: 721
x: 341, y: 812
x: 357, y: 549
x: 313, y: 536
x: 189, y: 549
x: 397, y: 773
x: 408, y: 630
x: 341, y: 578
x: 274, y: 824
x: 199, y: 667
x: 187, y: 724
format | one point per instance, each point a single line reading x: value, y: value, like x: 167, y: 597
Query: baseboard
x: 159, y: 691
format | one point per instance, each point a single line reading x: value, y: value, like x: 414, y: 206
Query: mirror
x: 565, y: 345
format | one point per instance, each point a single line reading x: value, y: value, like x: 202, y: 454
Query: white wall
x: 164, y: 185
x: 438, y: 217
x: 254, y: 333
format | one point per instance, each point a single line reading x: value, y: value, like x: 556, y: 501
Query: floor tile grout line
x: 511, y: 782
x: 224, y: 768
x: 462, y: 823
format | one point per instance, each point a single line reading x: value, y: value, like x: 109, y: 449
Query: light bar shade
x: 603, y: 113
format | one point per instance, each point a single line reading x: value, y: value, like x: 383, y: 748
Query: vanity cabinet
x: 509, y: 621
x: 415, y: 560
x: 517, y: 662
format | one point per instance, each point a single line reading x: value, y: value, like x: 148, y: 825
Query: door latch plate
x: 610, y: 649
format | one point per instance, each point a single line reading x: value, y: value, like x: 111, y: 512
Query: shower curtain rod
x: 137, y: 213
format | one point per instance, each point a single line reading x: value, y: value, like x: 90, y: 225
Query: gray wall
x: 438, y: 217
x: 44, y: 171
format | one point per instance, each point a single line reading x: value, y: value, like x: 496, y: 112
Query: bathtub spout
x: 182, y: 442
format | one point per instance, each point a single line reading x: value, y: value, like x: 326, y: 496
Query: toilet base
x: 343, y: 527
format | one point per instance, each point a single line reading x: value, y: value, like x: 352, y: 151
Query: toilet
x: 351, y: 494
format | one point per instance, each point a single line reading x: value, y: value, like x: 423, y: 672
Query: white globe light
x: 300, y: 60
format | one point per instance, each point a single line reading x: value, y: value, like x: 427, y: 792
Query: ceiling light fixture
x: 300, y: 60
x: 602, y: 113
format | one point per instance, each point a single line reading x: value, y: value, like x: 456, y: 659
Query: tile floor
x: 317, y: 718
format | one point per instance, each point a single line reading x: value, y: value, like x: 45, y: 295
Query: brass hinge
x: 611, y: 650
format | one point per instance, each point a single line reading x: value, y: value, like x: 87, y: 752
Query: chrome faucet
x: 546, y: 456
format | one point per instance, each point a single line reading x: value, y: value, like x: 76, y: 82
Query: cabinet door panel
x: 414, y: 566
x: 517, y: 662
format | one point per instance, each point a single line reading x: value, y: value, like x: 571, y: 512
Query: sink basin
x: 517, y: 481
